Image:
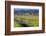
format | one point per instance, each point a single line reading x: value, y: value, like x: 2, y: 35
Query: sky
x: 25, y: 10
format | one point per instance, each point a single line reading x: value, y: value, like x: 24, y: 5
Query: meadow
x: 31, y: 20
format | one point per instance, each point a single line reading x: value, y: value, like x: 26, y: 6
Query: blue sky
x: 25, y: 10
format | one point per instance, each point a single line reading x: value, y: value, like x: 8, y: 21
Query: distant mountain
x: 23, y: 11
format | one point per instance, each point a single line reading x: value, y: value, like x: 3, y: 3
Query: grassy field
x: 33, y: 21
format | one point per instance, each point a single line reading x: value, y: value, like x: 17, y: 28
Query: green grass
x: 33, y: 21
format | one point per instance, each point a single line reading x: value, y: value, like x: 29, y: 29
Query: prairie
x: 30, y: 20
